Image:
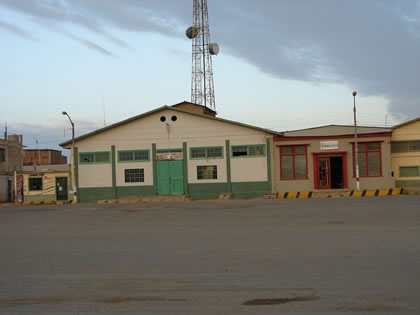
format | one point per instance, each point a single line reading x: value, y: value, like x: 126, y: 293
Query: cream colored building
x: 405, y: 150
x: 174, y: 150
x: 323, y: 158
x: 41, y: 183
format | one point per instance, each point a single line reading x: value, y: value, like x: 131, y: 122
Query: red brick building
x: 43, y: 157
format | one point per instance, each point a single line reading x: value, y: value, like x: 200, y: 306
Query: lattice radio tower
x: 202, y: 84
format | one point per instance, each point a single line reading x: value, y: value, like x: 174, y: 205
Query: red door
x: 324, y: 173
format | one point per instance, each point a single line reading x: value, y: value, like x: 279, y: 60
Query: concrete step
x: 135, y: 199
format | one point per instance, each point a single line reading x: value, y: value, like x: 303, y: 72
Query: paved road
x: 352, y: 255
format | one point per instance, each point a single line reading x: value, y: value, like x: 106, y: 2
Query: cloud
x: 62, y: 12
x: 16, y: 30
x: 50, y: 135
x: 370, y: 46
x: 90, y: 44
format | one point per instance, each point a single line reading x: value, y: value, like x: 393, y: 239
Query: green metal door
x: 163, y: 178
x: 170, y: 178
x: 177, y: 177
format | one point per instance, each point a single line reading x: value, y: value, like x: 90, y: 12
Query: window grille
x: 207, y: 172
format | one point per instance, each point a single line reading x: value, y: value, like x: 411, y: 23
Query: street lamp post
x: 356, y: 155
x: 72, y: 158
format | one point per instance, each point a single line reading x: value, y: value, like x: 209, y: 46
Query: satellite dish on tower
x: 202, y: 85
x: 214, y: 49
x: 192, y: 32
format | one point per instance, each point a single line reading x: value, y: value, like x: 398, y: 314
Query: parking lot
x: 352, y: 255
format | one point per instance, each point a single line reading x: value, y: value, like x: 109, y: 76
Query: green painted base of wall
x: 95, y: 194
x: 250, y: 189
x: 196, y: 191
x: 207, y: 191
x: 407, y: 183
x: 135, y: 191
x: 239, y: 190
x: 107, y: 193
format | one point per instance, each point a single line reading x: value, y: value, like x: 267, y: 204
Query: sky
x: 283, y: 65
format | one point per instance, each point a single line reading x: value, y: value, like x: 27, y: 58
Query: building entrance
x: 170, y: 178
x: 330, y: 172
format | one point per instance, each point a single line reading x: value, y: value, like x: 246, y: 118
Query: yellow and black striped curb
x: 37, y: 203
x: 352, y: 193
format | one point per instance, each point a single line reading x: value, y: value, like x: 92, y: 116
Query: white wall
x: 95, y: 175
x: 195, y: 130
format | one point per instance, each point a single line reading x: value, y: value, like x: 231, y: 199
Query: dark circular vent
x: 174, y: 118
x: 162, y: 118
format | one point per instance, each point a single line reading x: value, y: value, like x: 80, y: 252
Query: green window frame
x: 254, y: 150
x: 127, y: 156
x: 409, y: 171
x: 134, y: 175
x: 206, y: 172
x: 206, y: 153
x: 35, y: 183
x: 103, y: 157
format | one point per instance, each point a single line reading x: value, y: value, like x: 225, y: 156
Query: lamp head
x: 354, y: 93
x: 64, y: 113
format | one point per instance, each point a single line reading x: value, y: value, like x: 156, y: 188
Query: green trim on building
x: 269, y: 187
x: 133, y: 160
x: 154, y: 168
x: 134, y: 191
x: 76, y: 171
x: 94, y: 158
x: 250, y: 189
x: 207, y: 190
x: 228, y: 168
x: 206, y: 152
x: 248, y: 146
x: 114, y: 172
x: 95, y: 193
x: 407, y: 183
x: 185, y: 162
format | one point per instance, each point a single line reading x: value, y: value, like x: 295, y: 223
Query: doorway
x: 330, y: 172
x: 170, y: 177
x: 61, y: 188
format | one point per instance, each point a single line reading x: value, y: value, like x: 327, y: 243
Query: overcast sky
x: 283, y: 65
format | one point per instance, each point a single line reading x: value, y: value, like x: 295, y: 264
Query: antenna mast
x: 202, y: 84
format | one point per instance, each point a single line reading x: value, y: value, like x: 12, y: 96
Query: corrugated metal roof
x: 334, y: 130
x: 406, y: 123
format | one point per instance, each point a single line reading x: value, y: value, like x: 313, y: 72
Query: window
x: 95, y: 157
x: 135, y: 175
x: 206, y: 153
x: 293, y: 160
x: 248, y: 150
x: 405, y: 146
x: 369, y: 156
x: 207, y: 172
x: 409, y: 171
x: 133, y: 156
x: 2, y: 155
x: 35, y: 183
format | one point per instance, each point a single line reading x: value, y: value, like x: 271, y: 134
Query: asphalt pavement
x: 346, y: 255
